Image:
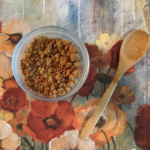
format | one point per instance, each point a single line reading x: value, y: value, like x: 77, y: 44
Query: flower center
x: 121, y: 96
x: 12, y: 101
x: 52, y: 122
x: 14, y: 38
x: 101, y: 122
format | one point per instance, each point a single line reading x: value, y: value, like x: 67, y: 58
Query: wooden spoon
x: 132, y: 50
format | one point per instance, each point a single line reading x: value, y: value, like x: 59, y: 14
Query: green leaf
x: 24, y: 143
x: 104, y: 78
x: 19, y: 126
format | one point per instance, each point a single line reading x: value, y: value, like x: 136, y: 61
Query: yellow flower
x: 105, y: 42
x: 5, y: 115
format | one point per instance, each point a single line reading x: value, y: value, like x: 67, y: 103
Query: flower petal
x: 5, y: 130
x: 35, y: 123
x: 121, y: 123
x: 30, y: 133
x: 11, y: 142
x: 5, y: 115
x: 5, y: 67
x: 43, y: 109
x: 71, y: 140
x: 142, y: 137
x: 65, y: 112
x: 92, y: 76
x: 50, y: 133
x: 10, y: 83
x: 85, y: 90
x: 92, y: 50
x: 20, y: 119
x: 123, y: 95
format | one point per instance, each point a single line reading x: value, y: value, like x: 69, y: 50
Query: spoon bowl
x: 132, y: 50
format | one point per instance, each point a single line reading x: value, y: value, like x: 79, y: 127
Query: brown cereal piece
x: 58, y: 77
x: 67, y: 54
x: 55, y: 63
x: 54, y: 91
x: 48, y: 49
x: 70, y: 83
x: 71, y: 46
x: 45, y: 92
x: 63, y: 80
x: 74, y: 50
x: 68, y: 65
x: 67, y: 73
x: 61, y: 91
x: 71, y: 77
x: 45, y: 84
x: 58, y: 82
x: 52, y: 95
x: 50, y: 79
x: 53, y: 86
x: 72, y: 68
x: 63, y: 60
x: 40, y: 70
x: 67, y: 89
x: 57, y: 60
x: 57, y: 55
x: 63, y: 53
x: 67, y: 46
x: 52, y: 57
x: 58, y: 41
x: 48, y: 62
x: 74, y: 57
x: 77, y: 72
x: 50, y: 70
x: 77, y: 64
x: 31, y: 74
x: 59, y: 48
x: 62, y: 85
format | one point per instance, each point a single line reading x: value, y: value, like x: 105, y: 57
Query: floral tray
x: 30, y: 124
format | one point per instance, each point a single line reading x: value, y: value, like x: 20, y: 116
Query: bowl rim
x: 63, y: 97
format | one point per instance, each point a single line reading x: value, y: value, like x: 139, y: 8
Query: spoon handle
x: 99, y: 108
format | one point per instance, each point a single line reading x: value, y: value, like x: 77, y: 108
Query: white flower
x: 71, y: 140
x: 8, y: 139
x: 106, y: 42
x: 5, y: 130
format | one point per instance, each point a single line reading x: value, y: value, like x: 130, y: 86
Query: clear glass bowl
x: 52, y: 32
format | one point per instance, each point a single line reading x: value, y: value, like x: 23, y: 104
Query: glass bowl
x: 52, y: 32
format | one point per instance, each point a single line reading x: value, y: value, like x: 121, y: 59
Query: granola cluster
x: 51, y: 66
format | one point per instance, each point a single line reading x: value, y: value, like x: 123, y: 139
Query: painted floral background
x: 30, y: 124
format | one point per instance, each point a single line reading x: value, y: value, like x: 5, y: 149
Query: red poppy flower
x: 113, y: 57
x: 97, y: 58
x: 88, y: 86
x: 48, y: 120
x: 142, y: 130
x: 13, y: 99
